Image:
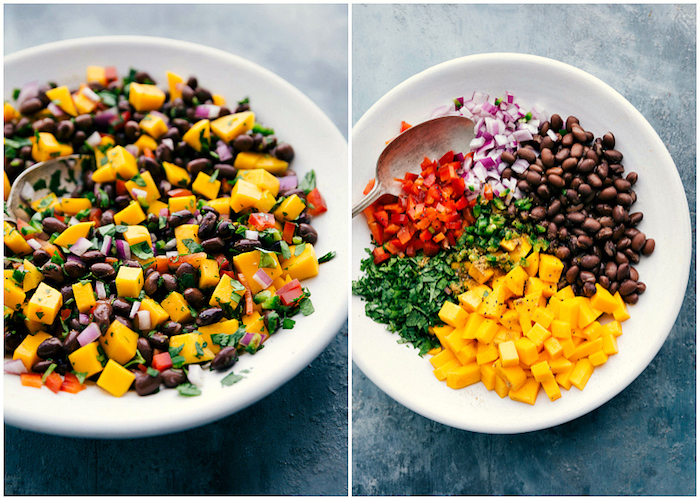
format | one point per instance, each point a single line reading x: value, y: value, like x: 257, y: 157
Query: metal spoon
x: 405, y: 153
x: 70, y: 168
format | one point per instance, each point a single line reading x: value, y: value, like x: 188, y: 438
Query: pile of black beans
x: 582, y: 197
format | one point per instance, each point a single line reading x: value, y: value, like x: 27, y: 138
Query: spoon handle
x: 370, y: 198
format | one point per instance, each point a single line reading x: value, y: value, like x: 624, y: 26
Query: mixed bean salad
x: 512, y: 263
x: 183, y: 246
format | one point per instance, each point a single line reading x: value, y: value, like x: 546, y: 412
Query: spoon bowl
x: 432, y: 138
x: 59, y: 174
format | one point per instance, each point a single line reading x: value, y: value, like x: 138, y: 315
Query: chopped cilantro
x: 188, y: 389
x: 308, y: 183
x: 299, y: 249
x: 231, y: 379
x: 306, y: 307
x: 326, y: 257
x: 192, y: 245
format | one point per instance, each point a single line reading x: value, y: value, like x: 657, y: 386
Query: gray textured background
x: 641, y: 442
x: 295, y: 440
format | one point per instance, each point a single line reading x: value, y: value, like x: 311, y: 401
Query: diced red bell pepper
x: 261, y: 221
x: 382, y: 217
x: 448, y: 157
x: 377, y: 232
x: 111, y: 74
x: 462, y: 203
x: 71, y: 384
x: 290, y: 293
x: 95, y: 216
x: 488, y: 192
x: 404, y: 235
x: 431, y: 249
x: 319, y: 204
x: 65, y: 314
x: 54, y: 382
x: 380, y: 255
x: 31, y: 379
x: 162, y: 361
x: 405, y: 126
x: 369, y: 186
x: 401, y: 219
x: 121, y: 187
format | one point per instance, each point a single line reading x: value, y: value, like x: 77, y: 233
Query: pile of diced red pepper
x: 429, y: 215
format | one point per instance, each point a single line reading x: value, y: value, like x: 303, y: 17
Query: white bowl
x: 558, y: 88
x: 318, y: 145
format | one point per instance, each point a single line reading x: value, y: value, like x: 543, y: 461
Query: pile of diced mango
x: 515, y: 332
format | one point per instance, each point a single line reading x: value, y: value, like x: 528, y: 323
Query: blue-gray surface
x: 292, y: 442
x: 642, y: 441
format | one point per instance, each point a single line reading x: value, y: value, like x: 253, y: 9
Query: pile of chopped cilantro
x: 407, y: 294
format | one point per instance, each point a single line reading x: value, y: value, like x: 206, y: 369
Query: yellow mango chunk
x: 178, y: 203
x: 581, y: 372
x: 228, y: 127
x: 144, y: 97
x: 136, y: 234
x: 143, y: 182
x: 261, y: 178
x: 104, y: 174
x: 247, y: 160
x: 6, y: 186
x: 514, y: 376
x: 205, y: 186
x: 131, y: 215
x: 177, y: 308
x: 145, y: 142
x: 71, y: 206
x: 193, y: 348
x: 129, y: 281
x: 508, y: 354
x: 155, y: 206
x: 96, y: 74
x: 84, y: 296
x: 198, y: 135
x: 115, y: 379
x: 86, y: 359
x: 33, y: 276
x: 74, y: 233
x: 453, y: 315
x: 290, y: 208
x: 26, y: 351
x: 486, y: 353
x: 527, y: 393
x: 47, y: 147
x: 515, y: 280
x: 481, y: 272
x: 248, y: 264
x: 254, y: 323
x: 123, y: 162
x: 174, y: 85
x: 463, y: 376
x: 153, y: 125
x: 551, y: 388
x: 186, y: 234
x: 177, y: 176
x: 63, y: 99
x: 226, y: 327
x: 227, y: 291
x: 14, y: 240
x: 221, y: 205
x: 44, y: 304
x: 301, y: 266
x: 244, y: 195
x: 495, y: 303
x: 266, y: 202
x: 119, y: 342
x: 158, y: 314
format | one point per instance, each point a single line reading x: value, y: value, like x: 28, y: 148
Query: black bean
x: 226, y: 171
x: 75, y: 269
x: 31, y: 106
x: 146, y: 350
x: 641, y: 288
x: 576, y: 217
x: 103, y: 314
x: 245, y: 245
x: 65, y: 130
x: 171, y: 328
x: 41, y: 257
x: 225, y: 359
x: 308, y: 233
x: 103, y: 271
x: 53, y: 273
x: 151, y: 283
x: 42, y: 365
x: 608, y: 194
x: 627, y: 287
x: 159, y: 340
x: 172, y: 377
x: 632, y: 178
x: 50, y: 348
x: 563, y: 253
x: 145, y: 384
x: 587, y: 276
x: 213, y: 245
x: 589, y: 289
x: 612, y: 155
x: 209, y: 316
x: 591, y: 225
x: 207, y: 227
x: 178, y: 218
x: 194, y: 297
x: 284, y: 152
x: 185, y: 269
x: 92, y: 257
x: 53, y: 225
x: 169, y: 282
x: 638, y: 242
x: 84, y: 122
x: 572, y: 274
x: 197, y: 165
x: 590, y: 261
x: 556, y: 181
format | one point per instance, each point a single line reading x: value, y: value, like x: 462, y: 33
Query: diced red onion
x: 288, y: 182
x: 100, y: 290
x: 34, y: 244
x: 209, y: 111
x: 262, y: 278
x: 519, y: 166
x: 171, y: 244
x: 144, y: 318
x: 223, y: 151
x: 251, y: 235
x: 134, y: 150
x: 15, y: 367
x: 160, y: 115
x: 103, y: 119
x: 56, y: 110
x: 81, y: 246
x: 90, y: 94
x: 168, y: 143
x: 172, y: 253
x: 123, y: 250
x: 134, y: 309
x: 106, y: 245
x: 94, y: 140
x: 28, y: 91
x: 83, y: 319
x: 191, y: 221
x: 135, y: 193
x: 195, y: 374
x: 247, y: 338
x: 89, y: 335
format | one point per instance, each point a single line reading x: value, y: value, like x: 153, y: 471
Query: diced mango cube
x: 290, y: 208
x: 177, y: 176
x: 227, y: 291
x: 136, y: 234
x: 86, y: 359
x: 486, y: 353
x: 119, y: 342
x: 131, y: 215
x: 581, y: 372
x: 15, y: 241
x: 177, y: 307
x: 514, y: 376
x: 84, y: 296
x: 115, y: 379
x: 73, y: 233
x: 145, y: 97
x: 228, y: 127
x: 246, y: 160
x: 527, y: 350
x: 551, y: 388
x: 27, y: 349
x: 177, y: 203
x: 193, y: 348
x: 153, y: 125
x: 205, y: 186
x: 158, y: 314
x: 527, y: 393
x: 48, y: 147
x: 186, y: 234
x: 143, y: 182
x: 32, y: 277
x: 508, y: 354
x: 62, y: 97
x: 598, y: 358
x: 550, y: 268
x: 129, y: 281
x: 302, y: 266
x: 71, y: 206
x: 453, y: 315
x: 175, y: 85
x: 198, y: 135
x: 208, y: 273
x: 463, y: 376
x: 44, y: 304
x: 244, y: 195
x: 541, y: 371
